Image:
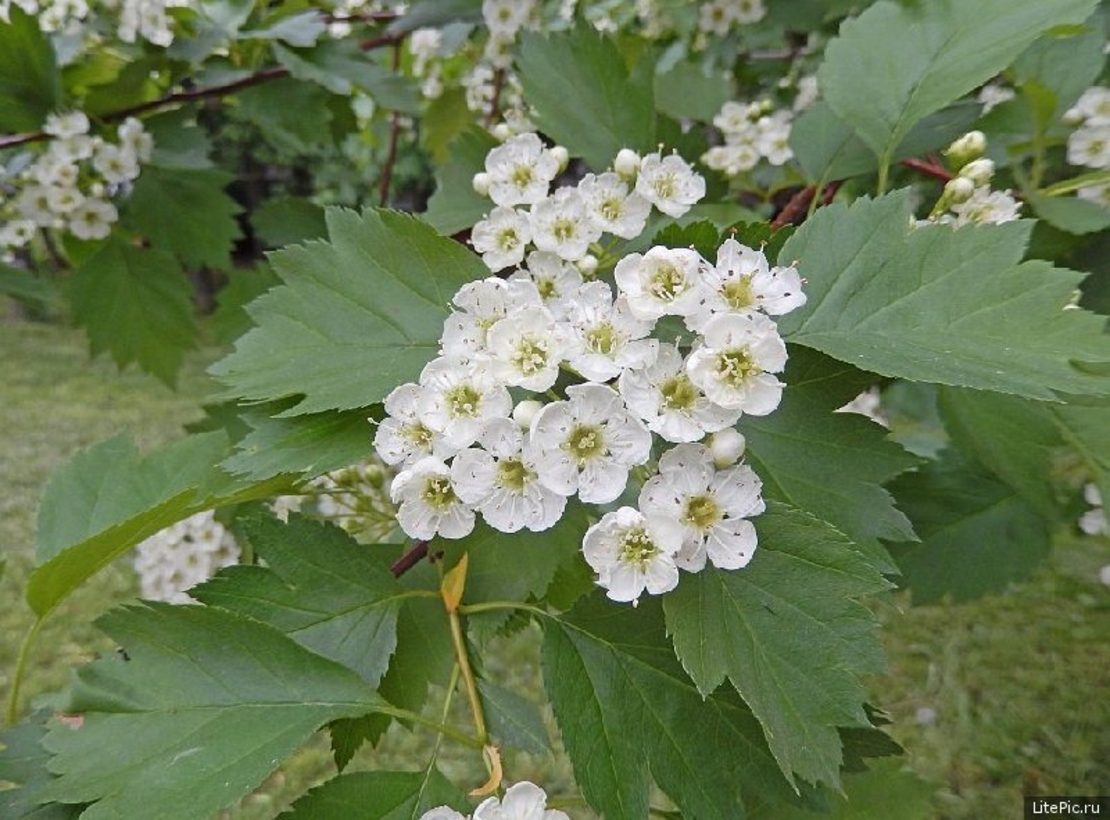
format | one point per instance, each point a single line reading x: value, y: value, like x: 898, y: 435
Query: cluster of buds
x: 967, y: 197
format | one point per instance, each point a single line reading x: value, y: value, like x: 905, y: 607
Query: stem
x: 394, y: 136
x: 415, y: 554
x: 491, y: 606
x: 469, y: 683
x: 796, y: 207
x: 21, y: 671
x: 928, y: 168
x: 495, y: 98
x: 439, y: 728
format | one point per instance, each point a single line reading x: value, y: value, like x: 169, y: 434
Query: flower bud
x: 957, y: 190
x: 587, y: 266
x: 501, y: 131
x: 481, y: 183
x: 967, y: 148
x: 561, y: 156
x: 979, y: 171
x: 727, y: 446
x: 627, y: 163
x: 525, y: 411
x: 374, y: 475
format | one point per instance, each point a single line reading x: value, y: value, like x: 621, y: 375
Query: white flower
x: 588, y: 443
x: 807, y: 93
x: 458, y: 398
x: 442, y: 813
x: 502, y: 481
x: 182, y: 556
x: 402, y: 438
x: 482, y: 303
x: 64, y: 200
x: 67, y: 125
x: 1099, y: 194
x: 605, y: 337
x: 612, y: 207
x: 17, y: 233
x: 733, y: 158
x: 727, y: 446
x: 526, y: 348
x: 985, y: 206
x: 115, y: 164
x: 1092, y: 107
x: 742, y: 282
x: 520, y: 170
x: 522, y: 801
x: 669, y: 403
x: 501, y: 237
x: 504, y: 18
x: 748, y: 11
x: 711, y: 506
x: 428, y: 503
x: 1090, y: 146
x: 773, y: 137
x: 737, y: 117
x: 1093, y: 522
x: 993, y: 94
x: 560, y: 225
x: 734, y: 363
x: 661, y: 282
x: 632, y: 552
x: 556, y: 280
x: 715, y: 17
x: 135, y: 139
x: 93, y: 219
x: 669, y: 183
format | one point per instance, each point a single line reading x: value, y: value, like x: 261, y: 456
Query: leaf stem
x: 491, y: 606
x: 470, y: 685
x: 436, y: 726
x: 21, y: 671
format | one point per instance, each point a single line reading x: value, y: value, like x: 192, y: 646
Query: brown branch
x: 495, y: 100
x: 795, y: 208
x: 394, y: 137
x: 413, y: 556
x: 931, y: 169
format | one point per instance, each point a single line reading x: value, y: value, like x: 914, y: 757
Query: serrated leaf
x: 136, y: 304
x: 1070, y: 213
x: 277, y: 108
x: 884, y: 791
x: 202, y: 711
x: 288, y: 220
x: 934, y: 304
x: 583, y: 96
x: 185, y: 211
x: 455, y: 205
x: 894, y: 65
x: 30, y: 85
x: 311, y: 444
x: 435, y: 13
x: 702, y: 236
x: 355, y: 317
x: 23, y: 764
x: 321, y: 588
x: 685, y: 91
x: 790, y: 634
x: 832, y: 465
x: 377, y: 796
x: 342, y: 67
x: 298, y: 30
x: 1087, y: 431
x: 107, y: 499
x: 513, y: 721
x: 244, y: 285
x: 977, y: 534
x: 25, y: 286
x: 625, y: 707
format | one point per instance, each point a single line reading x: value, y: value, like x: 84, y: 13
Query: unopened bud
x: 501, y: 132
x: 587, y: 266
x: 627, y: 163
x: 561, y: 156
x: 727, y: 446
x: 957, y: 190
x: 374, y: 475
x: 967, y: 148
x: 481, y: 183
x: 979, y: 171
x: 525, y: 411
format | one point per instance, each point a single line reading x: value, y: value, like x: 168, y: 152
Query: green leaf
x: 30, y: 85
x: 934, y: 304
x: 278, y: 109
x: 1087, y: 432
x: 107, y: 499
x: 25, y: 286
x: 298, y: 30
x: 514, y: 721
x: 288, y: 220
x: 328, y: 593
x: 185, y: 211
x: 1069, y: 213
x: 23, y: 764
x: 244, y: 285
x: 583, y: 96
x: 1065, y: 65
x: 356, y: 316
x: 422, y: 13
x: 884, y: 791
x: 202, y: 711
x: 135, y: 303
x: 624, y: 707
x: 455, y: 205
x: 685, y: 91
x: 378, y: 796
x: 342, y: 67
x: 312, y: 444
x: 790, y: 634
x: 977, y: 534
x: 832, y: 465
x: 702, y: 236
x: 894, y: 65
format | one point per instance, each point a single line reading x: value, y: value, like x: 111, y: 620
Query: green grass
x: 1016, y: 685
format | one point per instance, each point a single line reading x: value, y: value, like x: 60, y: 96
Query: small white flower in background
x: 92, y: 219
x: 526, y: 348
x: 735, y: 361
x: 669, y: 403
x: 401, y: 437
x: 556, y: 280
x: 588, y: 443
x: 612, y: 206
x: 742, y: 281
x: 520, y: 171
x: 710, y: 506
x: 605, y: 338
x: 183, y: 555
x: 506, y: 17
x: 442, y: 813
x: 458, y: 397
x: 1090, y: 146
x: 669, y: 183
x: 772, y: 137
x: 807, y: 93
x: 115, y: 163
x: 560, y: 225
x: 428, y: 503
x: 732, y: 158
x: 632, y: 552
x: 746, y: 12
x: 661, y: 282
x: 727, y: 447
x: 501, y: 481
x: 1092, y: 107
x: 502, y: 237
x: 1099, y: 194
x: 716, y: 17
x: 994, y: 94
x: 66, y: 125
x: 1093, y: 522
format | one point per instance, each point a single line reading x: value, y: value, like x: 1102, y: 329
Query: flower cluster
x: 752, y: 131
x: 718, y: 17
x: 522, y: 801
x: 967, y: 198
x: 564, y: 224
x: 1093, y: 521
x: 68, y: 186
x: 1089, y: 144
x: 182, y: 556
x: 464, y: 446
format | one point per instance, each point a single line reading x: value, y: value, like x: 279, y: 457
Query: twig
x: 413, y: 556
x: 796, y: 207
x: 495, y: 100
x: 394, y: 136
x: 928, y: 168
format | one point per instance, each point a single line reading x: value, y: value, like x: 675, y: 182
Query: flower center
x: 602, y: 339
x: 585, y: 442
x: 734, y: 367
x: 679, y: 393
x: 512, y: 474
x: 463, y: 400
x: 664, y: 186
x: 522, y: 175
x: 546, y: 286
x: 637, y: 547
x: 667, y: 283
x: 738, y: 293
x: 439, y: 493
x: 702, y: 512
x: 611, y: 209
x: 507, y: 239
x: 530, y: 356
x: 419, y: 435
x: 563, y: 229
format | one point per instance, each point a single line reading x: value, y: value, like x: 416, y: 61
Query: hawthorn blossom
x: 632, y: 552
x: 556, y: 281
x: 402, y: 438
x: 742, y: 281
x: 428, y: 503
x: 560, y: 225
x: 669, y: 183
x: 501, y: 238
x: 458, y: 398
x: 661, y: 282
x: 526, y: 348
x: 521, y: 169
x: 612, y: 206
x: 735, y: 361
x: 605, y: 337
x: 481, y: 305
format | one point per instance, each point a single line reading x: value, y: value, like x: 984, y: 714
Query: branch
x: 413, y: 556
x: 928, y: 168
x: 394, y: 135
